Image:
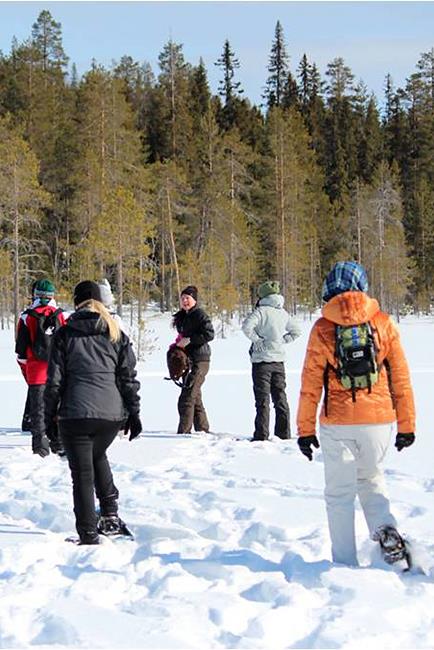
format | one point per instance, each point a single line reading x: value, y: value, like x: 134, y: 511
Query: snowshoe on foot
x: 392, y: 545
x: 113, y: 526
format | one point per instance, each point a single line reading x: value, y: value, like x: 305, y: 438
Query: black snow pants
x: 269, y: 378
x: 35, y: 402
x: 85, y: 442
x: 190, y: 406
x: 26, y: 422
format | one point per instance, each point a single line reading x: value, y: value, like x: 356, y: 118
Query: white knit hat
x: 107, y: 297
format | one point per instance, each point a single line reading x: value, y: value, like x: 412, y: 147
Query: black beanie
x: 191, y: 290
x: 86, y: 290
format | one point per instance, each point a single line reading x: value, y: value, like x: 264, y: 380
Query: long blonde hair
x: 104, y: 317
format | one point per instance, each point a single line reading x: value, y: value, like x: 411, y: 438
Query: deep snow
x: 231, y: 546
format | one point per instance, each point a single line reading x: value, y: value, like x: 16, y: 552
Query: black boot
x: 392, y: 545
x: 113, y: 526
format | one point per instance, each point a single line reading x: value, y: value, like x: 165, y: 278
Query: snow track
x: 231, y: 552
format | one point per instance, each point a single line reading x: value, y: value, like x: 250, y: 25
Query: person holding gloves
x: 354, y: 353
x: 270, y: 329
x: 91, y: 391
x: 196, y: 331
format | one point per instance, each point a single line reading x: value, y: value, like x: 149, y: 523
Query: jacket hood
x: 87, y: 322
x: 275, y: 300
x: 350, y: 308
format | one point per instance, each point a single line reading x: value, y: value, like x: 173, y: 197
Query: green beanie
x: 44, y: 290
x: 269, y: 287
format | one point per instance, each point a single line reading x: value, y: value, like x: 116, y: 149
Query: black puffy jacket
x: 196, y: 325
x: 88, y: 375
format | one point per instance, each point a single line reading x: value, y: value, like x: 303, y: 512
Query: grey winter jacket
x: 88, y: 375
x: 270, y: 328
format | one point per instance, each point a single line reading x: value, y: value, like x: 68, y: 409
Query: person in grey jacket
x: 270, y: 328
x: 91, y: 391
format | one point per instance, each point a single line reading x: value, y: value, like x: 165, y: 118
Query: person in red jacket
x: 35, y: 327
x: 25, y: 423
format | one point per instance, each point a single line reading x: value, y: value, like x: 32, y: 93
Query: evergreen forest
x: 147, y: 178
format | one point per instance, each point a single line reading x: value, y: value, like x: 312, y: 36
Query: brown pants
x: 190, y: 407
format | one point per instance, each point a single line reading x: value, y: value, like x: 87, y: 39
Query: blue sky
x: 373, y: 38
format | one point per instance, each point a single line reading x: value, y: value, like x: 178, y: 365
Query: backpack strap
x: 386, y: 364
x: 353, y: 388
x: 34, y: 313
x: 326, y: 387
x: 39, y: 315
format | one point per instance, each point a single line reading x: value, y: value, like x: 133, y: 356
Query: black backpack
x: 46, y: 326
x: 356, y: 354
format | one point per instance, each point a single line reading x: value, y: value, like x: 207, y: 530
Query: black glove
x: 404, y: 440
x: 134, y: 426
x: 40, y: 445
x: 305, y: 443
x: 51, y: 431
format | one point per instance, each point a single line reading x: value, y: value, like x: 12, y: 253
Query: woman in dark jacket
x: 196, y: 329
x: 91, y: 391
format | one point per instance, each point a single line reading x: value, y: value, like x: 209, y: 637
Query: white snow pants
x: 352, y: 456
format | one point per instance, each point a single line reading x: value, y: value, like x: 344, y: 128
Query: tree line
x: 151, y: 180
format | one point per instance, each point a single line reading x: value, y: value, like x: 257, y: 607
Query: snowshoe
x: 113, y: 526
x: 393, y: 546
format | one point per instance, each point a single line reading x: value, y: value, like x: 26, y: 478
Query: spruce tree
x: 278, y: 69
x: 229, y: 89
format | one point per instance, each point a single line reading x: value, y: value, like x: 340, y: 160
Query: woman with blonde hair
x: 92, y: 392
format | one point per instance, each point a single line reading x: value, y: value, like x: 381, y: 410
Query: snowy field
x: 231, y: 547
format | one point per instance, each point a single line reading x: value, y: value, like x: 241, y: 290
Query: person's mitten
x: 133, y: 426
x: 404, y: 440
x: 306, y: 443
x: 40, y: 445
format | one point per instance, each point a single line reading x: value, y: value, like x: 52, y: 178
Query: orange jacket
x: 352, y: 308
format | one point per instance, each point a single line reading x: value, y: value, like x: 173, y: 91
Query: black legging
x: 85, y: 442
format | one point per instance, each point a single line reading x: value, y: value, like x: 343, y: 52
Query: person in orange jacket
x: 356, y: 423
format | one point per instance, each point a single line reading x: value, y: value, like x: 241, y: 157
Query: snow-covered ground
x: 231, y: 547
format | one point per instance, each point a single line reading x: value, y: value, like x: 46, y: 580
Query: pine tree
x: 385, y: 252
x: 299, y: 207
x: 109, y: 170
x: 169, y: 199
x: 174, y: 82
x: 47, y: 39
x: 119, y: 238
